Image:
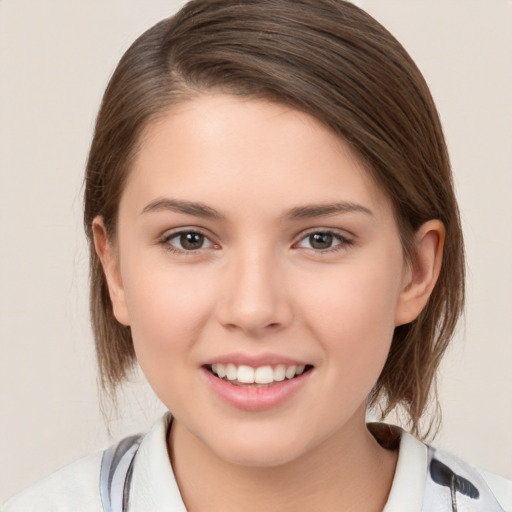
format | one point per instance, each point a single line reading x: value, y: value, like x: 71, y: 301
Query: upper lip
x: 254, y: 360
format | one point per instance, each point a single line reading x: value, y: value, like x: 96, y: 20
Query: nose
x: 254, y: 299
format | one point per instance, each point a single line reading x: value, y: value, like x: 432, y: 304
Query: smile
x: 256, y: 388
x: 262, y: 375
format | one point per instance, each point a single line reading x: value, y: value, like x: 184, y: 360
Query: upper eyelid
x: 342, y: 233
x: 168, y: 235
x: 171, y: 233
x: 344, y: 240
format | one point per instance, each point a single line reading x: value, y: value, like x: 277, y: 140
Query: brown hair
x: 333, y: 61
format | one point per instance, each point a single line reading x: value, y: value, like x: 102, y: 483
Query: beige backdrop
x: 55, y: 59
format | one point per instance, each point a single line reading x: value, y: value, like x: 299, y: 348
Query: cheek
x: 353, y: 315
x: 167, y: 307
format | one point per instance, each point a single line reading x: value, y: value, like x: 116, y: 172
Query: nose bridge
x: 255, y: 299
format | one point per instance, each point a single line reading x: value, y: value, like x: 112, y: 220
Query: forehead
x: 218, y: 148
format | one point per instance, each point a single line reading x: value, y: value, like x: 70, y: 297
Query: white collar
x: 408, y: 486
x: 154, y: 487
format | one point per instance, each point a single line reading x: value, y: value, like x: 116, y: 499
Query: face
x: 252, y: 245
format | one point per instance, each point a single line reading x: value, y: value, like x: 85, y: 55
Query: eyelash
x: 343, y: 241
x: 165, y: 241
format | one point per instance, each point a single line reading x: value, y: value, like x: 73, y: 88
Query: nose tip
x: 253, y: 318
x: 253, y: 313
x: 255, y: 302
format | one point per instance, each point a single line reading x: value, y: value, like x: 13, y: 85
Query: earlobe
x: 110, y: 263
x: 423, y: 273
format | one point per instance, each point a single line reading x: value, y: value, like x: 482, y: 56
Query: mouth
x: 257, y: 385
x: 259, y: 377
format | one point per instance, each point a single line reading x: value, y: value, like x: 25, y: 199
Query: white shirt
x: 425, y: 481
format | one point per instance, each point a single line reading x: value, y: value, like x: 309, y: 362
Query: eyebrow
x: 180, y: 206
x: 300, y: 212
x: 322, y: 210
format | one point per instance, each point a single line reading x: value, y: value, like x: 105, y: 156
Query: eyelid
x: 173, y: 233
x: 345, y: 239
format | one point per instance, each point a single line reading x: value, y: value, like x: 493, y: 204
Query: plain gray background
x: 55, y: 59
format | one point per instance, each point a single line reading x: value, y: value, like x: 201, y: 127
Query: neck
x: 348, y: 471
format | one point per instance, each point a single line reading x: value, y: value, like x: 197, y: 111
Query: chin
x: 258, y: 451
x: 258, y: 457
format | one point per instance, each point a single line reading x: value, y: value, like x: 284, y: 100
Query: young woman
x: 276, y: 242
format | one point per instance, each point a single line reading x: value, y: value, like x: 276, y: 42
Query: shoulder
x: 501, y: 488
x: 104, y: 477
x: 431, y: 480
x: 73, y: 488
x: 450, y: 480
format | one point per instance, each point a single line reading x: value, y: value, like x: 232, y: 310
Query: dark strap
x: 116, y: 473
x: 454, y: 485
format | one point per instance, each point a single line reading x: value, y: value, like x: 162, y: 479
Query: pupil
x: 320, y: 240
x: 191, y: 241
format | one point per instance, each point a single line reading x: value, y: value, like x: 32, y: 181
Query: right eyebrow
x: 186, y: 207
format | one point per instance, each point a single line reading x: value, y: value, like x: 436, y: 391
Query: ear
x: 423, y: 273
x: 110, y: 263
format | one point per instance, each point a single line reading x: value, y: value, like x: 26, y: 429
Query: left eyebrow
x: 322, y: 210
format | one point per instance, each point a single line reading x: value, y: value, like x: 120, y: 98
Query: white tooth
x: 214, y: 368
x: 290, y: 372
x: 221, y: 370
x: 245, y: 374
x: 264, y: 375
x: 231, y: 372
x: 279, y: 373
x: 300, y: 369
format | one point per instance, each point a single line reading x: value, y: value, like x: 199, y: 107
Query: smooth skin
x: 247, y: 227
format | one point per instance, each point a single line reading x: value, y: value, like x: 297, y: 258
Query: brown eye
x: 324, y: 241
x: 321, y: 240
x: 191, y: 241
x: 187, y: 241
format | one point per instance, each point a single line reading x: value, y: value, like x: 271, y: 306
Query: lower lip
x: 253, y: 398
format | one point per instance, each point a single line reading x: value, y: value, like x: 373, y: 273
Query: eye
x: 187, y: 241
x: 324, y: 241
